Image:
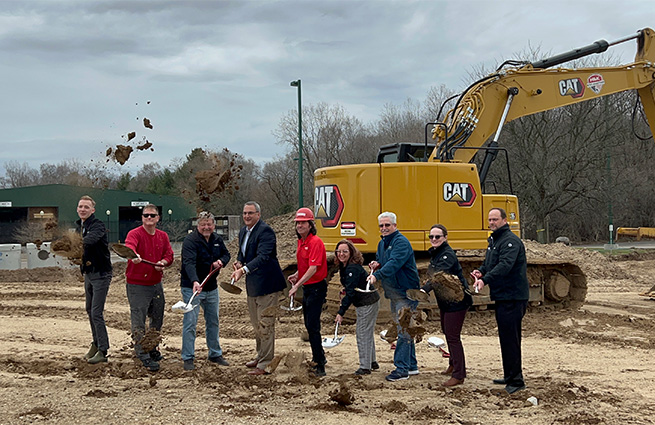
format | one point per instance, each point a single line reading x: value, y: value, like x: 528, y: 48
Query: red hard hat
x: 304, y: 214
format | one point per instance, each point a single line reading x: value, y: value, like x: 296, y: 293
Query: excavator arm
x: 483, y: 109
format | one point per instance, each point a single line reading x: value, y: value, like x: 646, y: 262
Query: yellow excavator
x: 438, y: 183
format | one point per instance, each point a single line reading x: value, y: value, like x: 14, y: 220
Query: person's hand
x: 338, y: 319
x: 196, y: 287
x: 160, y: 266
x: 293, y: 290
x: 217, y: 264
x: 236, y: 274
x: 371, y: 279
x: 476, y: 274
x: 293, y: 278
x: 236, y: 265
x: 373, y: 265
x: 478, y: 285
x: 136, y: 260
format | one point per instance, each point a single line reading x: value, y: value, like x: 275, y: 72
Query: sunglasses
x: 343, y: 251
x: 435, y: 237
x: 384, y: 225
x: 150, y: 215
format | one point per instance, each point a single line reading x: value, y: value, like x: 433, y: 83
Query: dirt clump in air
x: 146, y: 123
x: 221, y: 178
x: 122, y: 153
x: 69, y: 246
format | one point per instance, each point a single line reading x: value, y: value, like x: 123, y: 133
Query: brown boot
x: 452, y: 382
x: 448, y: 371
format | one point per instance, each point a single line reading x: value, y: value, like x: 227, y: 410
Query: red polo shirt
x: 311, y: 252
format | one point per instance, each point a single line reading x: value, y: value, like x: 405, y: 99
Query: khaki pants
x: 264, y: 327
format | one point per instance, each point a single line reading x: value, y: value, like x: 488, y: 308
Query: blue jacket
x: 397, y: 271
x: 197, y: 257
x: 505, y: 267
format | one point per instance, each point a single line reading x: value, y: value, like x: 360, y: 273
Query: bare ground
x: 593, y: 365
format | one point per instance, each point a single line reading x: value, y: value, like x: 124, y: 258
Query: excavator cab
x: 403, y: 152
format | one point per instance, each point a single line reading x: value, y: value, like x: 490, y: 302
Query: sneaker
x: 188, y: 364
x: 93, y: 349
x: 319, y: 370
x: 155, y: 355
x: 413, y: 372
x: 99, y: 357
x: 219, y: 360
x: 396, y: 376
x: 150, y: 364
x: 375, y: 366
x: 361, y: 372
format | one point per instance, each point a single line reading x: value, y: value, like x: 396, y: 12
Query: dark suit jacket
x: 265, y: 275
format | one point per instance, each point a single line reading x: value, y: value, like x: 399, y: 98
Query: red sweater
x: 150, y: 247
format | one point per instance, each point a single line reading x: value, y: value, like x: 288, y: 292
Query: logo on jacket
x: 571, y: 87
x: 328, y: 204
x: 462, y: 193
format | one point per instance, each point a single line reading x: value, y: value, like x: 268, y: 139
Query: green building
x: 120, y: 210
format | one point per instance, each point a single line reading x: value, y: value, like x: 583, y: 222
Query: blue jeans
x: 404, y: 357
x: 208, y: 300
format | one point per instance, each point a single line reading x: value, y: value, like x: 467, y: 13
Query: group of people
x: 203, y: 252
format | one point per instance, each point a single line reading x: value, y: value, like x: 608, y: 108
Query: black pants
x: 312, y: 304
x: 451, y: 325
x: 509, y: 316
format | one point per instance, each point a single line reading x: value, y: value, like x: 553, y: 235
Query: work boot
x: 375, y: 366
x: 99, y: 357
x: 93, y: 349
x: 319, y: 370
x: 155, y: 355
x: 150, y: 364
x: 188, y: 364
x: 219, y: 360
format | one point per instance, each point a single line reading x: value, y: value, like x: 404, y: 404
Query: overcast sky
x: 77, y: 75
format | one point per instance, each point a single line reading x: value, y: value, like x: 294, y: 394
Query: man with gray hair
x: 202, y: 251
x: 257, y: 260
x: 395, y: 267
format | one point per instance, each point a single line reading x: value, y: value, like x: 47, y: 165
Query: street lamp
x: 300, y: 192
x: 170, y: 213
x: 108, y: 212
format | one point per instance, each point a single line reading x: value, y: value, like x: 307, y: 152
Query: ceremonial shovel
x: 181, y: 306
x: 333, y: 342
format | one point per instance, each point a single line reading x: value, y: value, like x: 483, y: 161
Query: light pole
x: 300, y: 192
x: 170, y: 213
x: 108, y: 212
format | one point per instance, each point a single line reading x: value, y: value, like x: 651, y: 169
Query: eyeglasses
x: 343, y: 251
x: 249, y: 212
x: 384, y: 225
x: 150, y: 215
x: 435, y: 237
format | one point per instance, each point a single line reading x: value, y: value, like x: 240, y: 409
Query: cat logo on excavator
x: 462, y: 193
x: 328, y: 204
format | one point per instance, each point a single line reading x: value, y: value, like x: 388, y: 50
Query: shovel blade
x: 231, y: 288
x: 332, y: 342
x: 182, y: 307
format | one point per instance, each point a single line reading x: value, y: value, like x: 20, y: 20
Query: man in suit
x: 257, y: 259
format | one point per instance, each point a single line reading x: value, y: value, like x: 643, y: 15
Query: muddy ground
x: 593, y: 365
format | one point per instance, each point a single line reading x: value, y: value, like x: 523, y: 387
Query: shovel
x: 369, y: 287
x: 181, y: 306
x: 439, y: 343
x: 127, y: 252
x: 291, y: 306
x: 418, y: 295
x: 333, y: 342
x: 230, y: 287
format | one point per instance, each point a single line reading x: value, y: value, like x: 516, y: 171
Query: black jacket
x: 505, y: 267
x: 265, y: 275
x: 95, y: 255
x: 197, y: 257
x: 444, y: 259
x: 354, y: 276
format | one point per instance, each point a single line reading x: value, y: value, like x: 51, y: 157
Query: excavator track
x: 553, y: 283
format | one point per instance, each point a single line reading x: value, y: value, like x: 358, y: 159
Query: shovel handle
x: 336, y: 331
